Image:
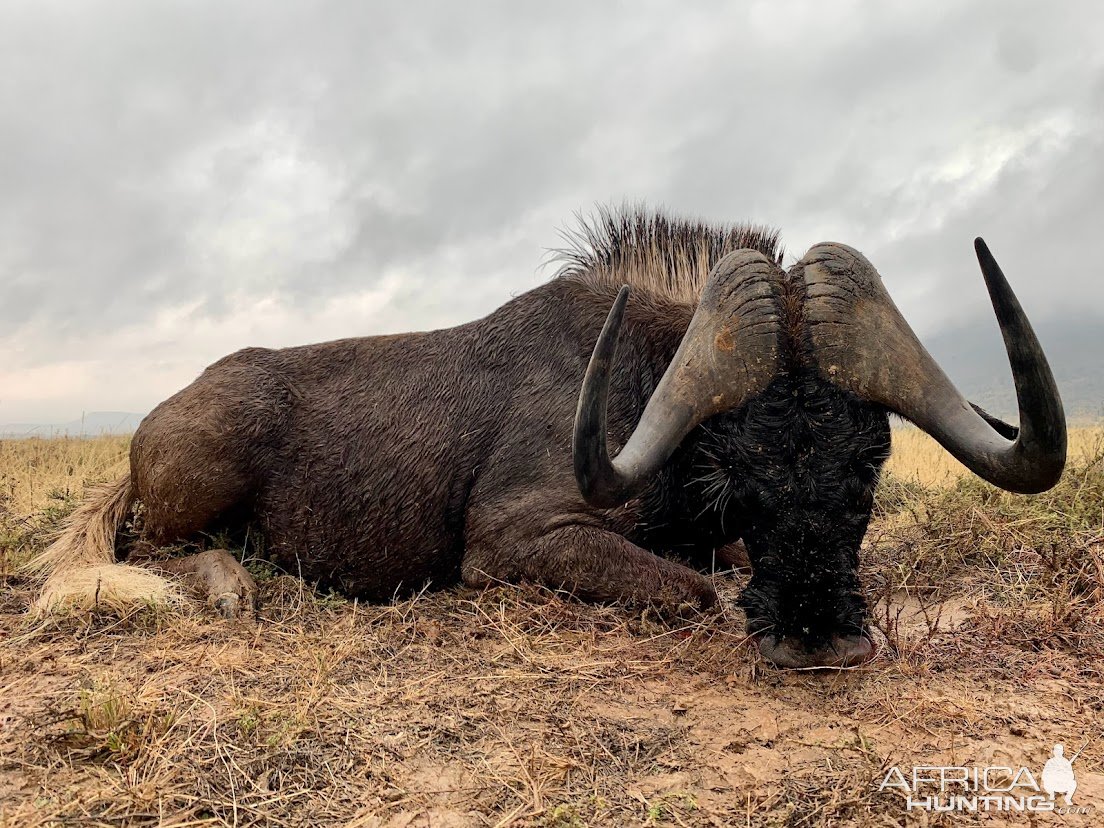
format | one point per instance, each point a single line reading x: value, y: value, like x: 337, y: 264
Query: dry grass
x: 522, y: 707
x: 917, y: 458
x: 38, y: 474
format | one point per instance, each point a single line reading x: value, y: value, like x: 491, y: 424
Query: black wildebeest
x: 743, y: 402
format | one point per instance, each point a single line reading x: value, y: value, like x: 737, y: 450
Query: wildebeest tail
x: 78, y: 569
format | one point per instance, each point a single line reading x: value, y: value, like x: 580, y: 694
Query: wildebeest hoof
x: 840, y: 652
x: 732, y: 556
x: 227, y: 605
x: 229, y: 588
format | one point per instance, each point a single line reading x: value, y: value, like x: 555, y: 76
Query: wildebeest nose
x: 840, y: 651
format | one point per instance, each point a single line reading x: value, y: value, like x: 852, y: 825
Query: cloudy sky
x: 178, y: 180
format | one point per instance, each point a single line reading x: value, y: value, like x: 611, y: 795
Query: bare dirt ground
x: 517, y: 706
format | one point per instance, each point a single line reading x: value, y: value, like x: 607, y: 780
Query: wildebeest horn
x: 863, y: 344
x: 729, y: 352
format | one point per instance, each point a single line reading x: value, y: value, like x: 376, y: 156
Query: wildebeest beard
x: 793, y: 474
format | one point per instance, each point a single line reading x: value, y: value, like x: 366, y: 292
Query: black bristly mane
x: 654, y: 252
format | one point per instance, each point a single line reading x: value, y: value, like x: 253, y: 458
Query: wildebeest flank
x: 743, y: 401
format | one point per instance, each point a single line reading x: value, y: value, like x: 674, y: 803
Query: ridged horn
x: 729, y: 352
x: 862, y: 343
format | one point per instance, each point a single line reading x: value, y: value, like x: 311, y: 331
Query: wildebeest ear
x: 1005, y: 430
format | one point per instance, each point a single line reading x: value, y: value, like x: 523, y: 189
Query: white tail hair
x: 78, y: 570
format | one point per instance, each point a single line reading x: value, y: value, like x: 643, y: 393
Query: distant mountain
x: 973, y: 356
x: 92, y: 424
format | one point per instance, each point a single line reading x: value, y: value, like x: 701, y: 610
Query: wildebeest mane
x: 654, y: 252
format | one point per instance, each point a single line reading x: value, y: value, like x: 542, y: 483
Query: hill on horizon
x: 973, y: 357
x: 90, y: 424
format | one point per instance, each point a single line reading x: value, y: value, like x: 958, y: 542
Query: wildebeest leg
x: 229, y: 588
x: 592, y: 564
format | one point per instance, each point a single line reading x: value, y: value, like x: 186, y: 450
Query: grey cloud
x: 170, y: 155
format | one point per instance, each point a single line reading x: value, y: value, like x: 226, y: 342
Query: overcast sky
x: 179, y: 180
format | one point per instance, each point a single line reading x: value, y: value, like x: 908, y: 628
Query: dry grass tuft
x: 918, y: 460
x: 518, y: 706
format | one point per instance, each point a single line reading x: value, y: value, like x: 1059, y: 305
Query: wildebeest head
x: 781, y: 389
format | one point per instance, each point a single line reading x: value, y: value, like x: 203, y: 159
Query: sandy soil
x: 517, y: 707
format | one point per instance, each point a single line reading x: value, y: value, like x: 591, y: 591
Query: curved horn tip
x: 990, y: 271
x: 617, y: 312
x: 597, y: 479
